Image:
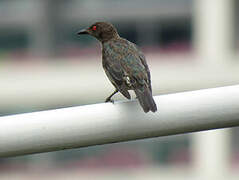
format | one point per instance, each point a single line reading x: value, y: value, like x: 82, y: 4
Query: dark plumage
x: 124, y: 64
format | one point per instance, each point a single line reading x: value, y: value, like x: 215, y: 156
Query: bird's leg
x: 108, y: 99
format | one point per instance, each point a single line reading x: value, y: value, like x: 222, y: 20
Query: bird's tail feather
x: 146, y: 100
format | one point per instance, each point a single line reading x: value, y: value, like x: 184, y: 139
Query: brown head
x: 103, y: 31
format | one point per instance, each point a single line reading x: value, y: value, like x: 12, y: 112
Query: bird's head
x: 102, y: 31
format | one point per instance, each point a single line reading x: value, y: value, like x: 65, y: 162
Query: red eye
x: 94, y: 28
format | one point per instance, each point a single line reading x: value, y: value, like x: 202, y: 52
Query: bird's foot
x: 109, y: 100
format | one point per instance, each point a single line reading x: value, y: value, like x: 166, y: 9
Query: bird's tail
x: 145, y: 98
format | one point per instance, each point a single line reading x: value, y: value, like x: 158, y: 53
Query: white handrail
x: 107, y: 123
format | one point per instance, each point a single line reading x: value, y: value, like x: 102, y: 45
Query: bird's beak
x: 83, y: 31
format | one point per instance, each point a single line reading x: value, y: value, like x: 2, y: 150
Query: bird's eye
x: 94, y: 28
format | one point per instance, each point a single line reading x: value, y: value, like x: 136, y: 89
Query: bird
x: 124, y: 64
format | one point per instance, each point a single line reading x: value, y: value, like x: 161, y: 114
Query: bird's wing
x: 133, y: 62
x: 143, y: 61
x: 134, y: 68
x: 138, y: 70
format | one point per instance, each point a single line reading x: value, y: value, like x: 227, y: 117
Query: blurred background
x: 189, y: 45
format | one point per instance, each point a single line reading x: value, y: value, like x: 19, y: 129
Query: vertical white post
x: 213, y: 44
x: 211, y: 154
x: 213, y: 28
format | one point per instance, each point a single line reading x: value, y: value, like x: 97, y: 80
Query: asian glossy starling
x: 124, y: 64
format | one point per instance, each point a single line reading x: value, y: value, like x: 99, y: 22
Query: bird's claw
x: 109, y: 100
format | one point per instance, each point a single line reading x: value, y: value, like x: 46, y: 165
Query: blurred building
x: 48, y: 27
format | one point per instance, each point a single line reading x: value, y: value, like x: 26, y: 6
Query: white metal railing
x: 107, y: 123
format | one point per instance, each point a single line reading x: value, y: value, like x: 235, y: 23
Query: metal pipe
x: 123, y: 121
